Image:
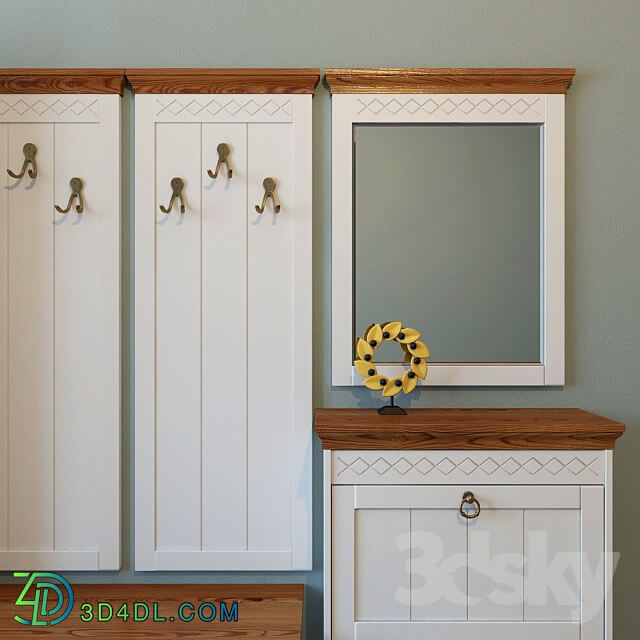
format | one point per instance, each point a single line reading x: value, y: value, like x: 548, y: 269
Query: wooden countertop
x: 466, y: 429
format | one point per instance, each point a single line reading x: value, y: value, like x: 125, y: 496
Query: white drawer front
x: 407, y: 565
x: 453, y: 467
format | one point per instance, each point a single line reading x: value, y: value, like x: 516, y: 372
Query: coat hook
x: 223, y: 157
x: 29, y: 151
x: 269, y: 185
x: 177, y: 185
x: 76, y: 192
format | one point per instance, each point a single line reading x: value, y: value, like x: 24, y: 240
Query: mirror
x: 447, y: 238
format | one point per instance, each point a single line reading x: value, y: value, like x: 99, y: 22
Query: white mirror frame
x: 494, y: 108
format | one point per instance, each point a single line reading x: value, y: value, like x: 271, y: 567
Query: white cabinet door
x: 223, y: 334
x: 59, y: 335
x: 407, y: 565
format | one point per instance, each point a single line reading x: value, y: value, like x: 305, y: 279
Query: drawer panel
x: 454, y: 467
x: 456, y: 630
x: 405, y: 564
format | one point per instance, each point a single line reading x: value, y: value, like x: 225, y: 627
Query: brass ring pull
x: 177, y: 185
x: 223, y: 158
x: 29, y: 151
x: 269, y: 185
x: 469, y: 498
x: 76, y: 192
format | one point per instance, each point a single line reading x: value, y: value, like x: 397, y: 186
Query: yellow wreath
x: 415, y: 353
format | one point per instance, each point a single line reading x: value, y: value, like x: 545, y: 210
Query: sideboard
x: 491, y: 523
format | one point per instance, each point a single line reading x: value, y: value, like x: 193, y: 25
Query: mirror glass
x: 447, y: 238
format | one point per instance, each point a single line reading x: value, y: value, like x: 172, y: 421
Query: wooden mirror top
x: 487, y: 429
x: 449, y: 80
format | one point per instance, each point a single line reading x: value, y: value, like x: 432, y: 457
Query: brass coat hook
x: 76, y: 192
x: 29, y: 151
x: 269, y: 185
x: 177, y: 185
x: 223, y: 158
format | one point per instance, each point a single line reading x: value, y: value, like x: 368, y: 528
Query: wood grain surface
x: 267, y: 611
x: 449, y: 80
x: 466, y: 429
x: 61, y: 80
x: 223, y: 80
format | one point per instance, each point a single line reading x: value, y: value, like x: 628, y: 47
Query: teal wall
x: 600, y: 38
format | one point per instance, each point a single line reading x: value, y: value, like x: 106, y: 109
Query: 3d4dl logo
x: 38, y: 594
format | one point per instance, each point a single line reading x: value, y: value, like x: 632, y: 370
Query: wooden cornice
x: 466, y: 429
x: 223, y: 80
x: 61, y: 80
x: 449, y: 80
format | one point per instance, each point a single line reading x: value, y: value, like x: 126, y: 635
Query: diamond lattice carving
x: 38, y: 106
x: 232, y: 106
x: 469, y: 466
x: 449, y: 106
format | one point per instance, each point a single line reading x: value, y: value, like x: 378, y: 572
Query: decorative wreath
x: 415, y: 353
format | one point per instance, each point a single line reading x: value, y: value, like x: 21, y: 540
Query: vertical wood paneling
x: 343, y: 563
x: 59, y: 346
x: 438, y: 565
x: 269, y: 344
x: 145, y: 336
x: 302, y: 369
x: 4, y: 338
x: 224, y: 341
x: 108, y: 399
x: 382, y: 579
x: 592, y: 541
x: 552, y: 572
x: 495, y: 565
x: 250, y: 453
x: 178, y: 340
x: 77, y: 331
x: 30, y: 287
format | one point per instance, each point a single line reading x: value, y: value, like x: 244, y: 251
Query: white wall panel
x: 224, y: 340
x: 77, y: 342
x: 269, y: 343
x: 59, y: 327
x: 178, y: 340
x: 223, y: 309
x: 31, y: 343
x: 4, y: 341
